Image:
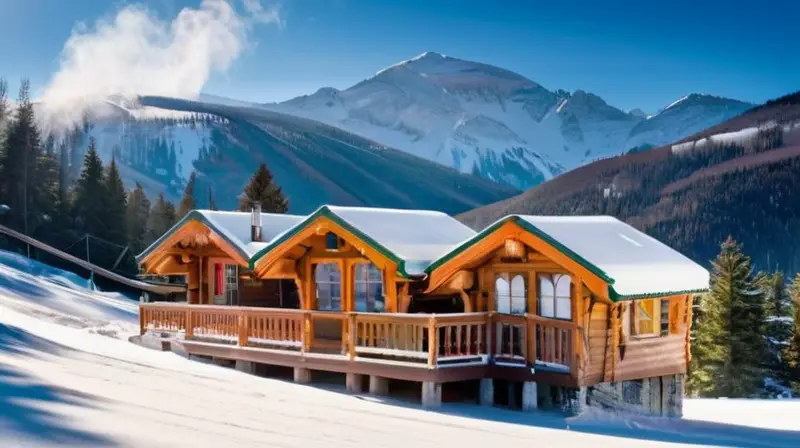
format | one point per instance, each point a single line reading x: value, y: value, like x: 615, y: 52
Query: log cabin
x: 539, y: 309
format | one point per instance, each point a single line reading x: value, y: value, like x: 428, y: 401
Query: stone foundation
x: 660, y: 396
x: 378, y: 385
x: 431, y: 394
x: 354, y: 383
x: 301, y: 375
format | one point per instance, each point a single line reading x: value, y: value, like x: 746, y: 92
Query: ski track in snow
x: 68, y: 377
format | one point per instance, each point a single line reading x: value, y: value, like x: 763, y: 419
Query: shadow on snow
x: 23, y: 397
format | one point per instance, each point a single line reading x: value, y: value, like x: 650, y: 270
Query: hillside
x: 740, y: 178
x: 314, y: 164
x: 478, y: 118
x: 69, y: 377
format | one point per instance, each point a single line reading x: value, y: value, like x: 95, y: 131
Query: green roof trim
x: 326, y: 212
x: 613, y: 295
x: 194, y: 215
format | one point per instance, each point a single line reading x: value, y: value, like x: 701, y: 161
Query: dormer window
x: 331, y: 242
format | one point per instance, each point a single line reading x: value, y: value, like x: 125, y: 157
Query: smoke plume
x: 137, y: 53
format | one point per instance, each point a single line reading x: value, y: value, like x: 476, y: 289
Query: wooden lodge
x: 586, y: 308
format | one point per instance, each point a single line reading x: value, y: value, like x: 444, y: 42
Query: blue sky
x: 632, y: 53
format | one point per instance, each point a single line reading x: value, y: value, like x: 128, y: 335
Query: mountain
x: 738, y: 178
x: 490, y: 121
x: 159, y: 141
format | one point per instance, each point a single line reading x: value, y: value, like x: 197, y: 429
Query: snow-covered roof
x: 411, y: 238
x: 234, y: 227
x: 633, y: 264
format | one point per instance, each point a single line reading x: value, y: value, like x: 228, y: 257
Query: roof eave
x: 194, y: 215
x: 325, y: 211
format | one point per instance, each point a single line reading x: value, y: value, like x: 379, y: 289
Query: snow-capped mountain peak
x: 497, y: 123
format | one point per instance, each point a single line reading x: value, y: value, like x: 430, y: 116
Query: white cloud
x: 138, y: 53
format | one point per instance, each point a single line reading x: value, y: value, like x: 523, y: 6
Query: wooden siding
x: 617, y: 355
x: 597, y: 335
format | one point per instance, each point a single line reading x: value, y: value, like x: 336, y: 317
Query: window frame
x: 656, y: 331
x: 552, y: 278
x: 367, y: 281
x: 338, y: 290
x: 509, y: 277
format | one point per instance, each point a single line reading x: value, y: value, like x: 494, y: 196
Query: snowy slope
x: 480, y: 118
x: 65, y: 382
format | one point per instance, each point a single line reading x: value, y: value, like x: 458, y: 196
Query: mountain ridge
x: 491, y: 121
x: 739, y: 178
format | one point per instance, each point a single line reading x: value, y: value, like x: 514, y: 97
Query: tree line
x: 745, y: 338
x: 40, y: 197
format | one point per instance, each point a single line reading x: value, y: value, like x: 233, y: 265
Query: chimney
x: 255, y: 223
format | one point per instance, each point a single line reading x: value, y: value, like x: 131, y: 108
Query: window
x: 328, y: 279
x: 646, y: 317
x: 369, y: 288
x: 555, y: 296
x: 664, y: 317
x: 232, y: 284
x: 331, y: 241
x: 511, y: 296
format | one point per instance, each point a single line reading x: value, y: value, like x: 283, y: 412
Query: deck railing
x: 433, y: 339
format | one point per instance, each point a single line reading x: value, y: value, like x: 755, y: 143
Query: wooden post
x: 352, y: 333
x: 433, y: 344
x: 189, y: 333
x: 576, y: 353
x: 307, y: 332
x: 489, y: 330
x: 614, y: 338
x: 142, y: 324
x: 390, y: 288
x: 530, y: 327
x: 244, y: 328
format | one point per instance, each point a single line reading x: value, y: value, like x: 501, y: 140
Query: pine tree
x: 115, y: 206
x: 162, y: 218
x: 261, y: 189
x: 728, y: 353
x: 137, y: 216
x: 211, y: 204
x: 29, y: 177
x: 778, y: 327
x: 90, y: 194
x: 187, y: 201
x: 791, y: 355
x: 4, y: 108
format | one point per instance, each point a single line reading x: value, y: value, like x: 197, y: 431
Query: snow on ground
x: 65, y: 382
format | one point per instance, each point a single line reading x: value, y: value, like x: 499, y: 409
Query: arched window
x: 555, y: 297
x: 369, y: 288
x: 328, y: 279
x: 511, y: 296
x: 502, y: 295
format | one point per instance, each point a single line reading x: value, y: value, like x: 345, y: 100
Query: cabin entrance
x: 226, y: 284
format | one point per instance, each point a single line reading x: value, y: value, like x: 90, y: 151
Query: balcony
x: 417, y: 347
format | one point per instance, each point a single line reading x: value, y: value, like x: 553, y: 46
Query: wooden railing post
x: 307, y: 332
x: 488, y: 334
x: 189, y: 324
x: 352, y: 336
x: 142, y: 312
x: 433, y: 343
x: 244, y: 328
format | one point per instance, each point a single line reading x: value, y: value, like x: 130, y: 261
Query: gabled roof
x: 410, y: 238
x: 234, y: 228
x: 633, y: 264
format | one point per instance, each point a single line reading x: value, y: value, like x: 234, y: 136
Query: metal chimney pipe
x: 255, y: 223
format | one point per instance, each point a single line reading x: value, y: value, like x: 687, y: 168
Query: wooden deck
x: 416, y: 347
